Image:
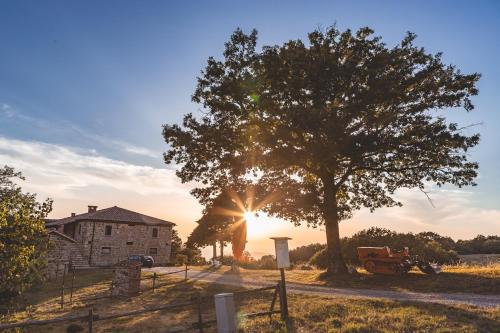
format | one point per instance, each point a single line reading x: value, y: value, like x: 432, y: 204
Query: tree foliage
x: 336, y: 124
x: 215, y: 224
x: 23, y: 238
x: 304, y: 253
x: 479, y: 245
x: 176, y: 244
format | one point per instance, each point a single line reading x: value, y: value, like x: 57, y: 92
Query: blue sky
x: 98, y: 79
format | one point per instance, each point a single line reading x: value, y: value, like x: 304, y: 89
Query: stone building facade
x: 108, y: 236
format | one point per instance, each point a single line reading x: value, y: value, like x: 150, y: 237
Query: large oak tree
x: 335, y: 124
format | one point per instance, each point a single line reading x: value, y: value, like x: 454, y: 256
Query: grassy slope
x: 309, y: 313
x: 460, y: 278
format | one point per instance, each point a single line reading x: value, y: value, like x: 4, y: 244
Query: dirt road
x: 239, y: 281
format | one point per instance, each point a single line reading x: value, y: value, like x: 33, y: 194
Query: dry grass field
x: 469, y: 278
x: 309, y: 313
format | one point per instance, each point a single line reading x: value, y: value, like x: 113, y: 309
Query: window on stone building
x: 153, y: 251
x: 107, y: 230
x: 130, y: 243
x: 79, y: 229
x: 105, y: 250
x: 155, y: 232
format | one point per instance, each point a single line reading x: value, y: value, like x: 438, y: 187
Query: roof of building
x: 112, y: 214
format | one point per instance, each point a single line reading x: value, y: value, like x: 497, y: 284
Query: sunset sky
x: 85, y: 88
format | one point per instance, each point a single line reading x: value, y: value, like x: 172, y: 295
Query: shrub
x: 491, y: 246
x: 479, y: 245
x: 181, y: 259
x: 304, y: 253
x: 320, y: 259
x: 267, y: 262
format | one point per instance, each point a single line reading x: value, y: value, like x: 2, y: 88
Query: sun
x: 259, y: 226
x: 255, y: 225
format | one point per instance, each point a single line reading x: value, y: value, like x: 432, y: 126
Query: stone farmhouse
x: 105, y: 237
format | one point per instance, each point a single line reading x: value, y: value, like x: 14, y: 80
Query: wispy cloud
x: 63, y: 126
x: 63, y: 169
x: 75, y: 177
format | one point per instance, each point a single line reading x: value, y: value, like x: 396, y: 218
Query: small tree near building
x: 23, y: 238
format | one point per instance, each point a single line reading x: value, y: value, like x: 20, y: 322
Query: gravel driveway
x: 239, y: 281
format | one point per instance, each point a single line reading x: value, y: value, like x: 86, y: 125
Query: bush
x: 267, y: 262
x: 320, y: 259
x: 479, y: 245
x: 304, y: 253
x: 491, y: 246
x: 181, y: 259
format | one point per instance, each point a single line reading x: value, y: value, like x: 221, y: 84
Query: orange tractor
x: 381, y: 260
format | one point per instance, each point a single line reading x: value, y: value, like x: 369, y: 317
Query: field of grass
x: 309, y: 313
x: 480, y: 279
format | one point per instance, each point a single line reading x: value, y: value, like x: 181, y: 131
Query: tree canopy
x: 336, y: 124
x: 215, y: 223
x: 23, y: 240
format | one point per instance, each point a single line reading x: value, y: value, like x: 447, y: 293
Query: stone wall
x: 127, y: 279
x: 58, y: 256
x: 125, y: 240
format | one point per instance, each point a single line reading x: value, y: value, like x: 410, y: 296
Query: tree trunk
x: 336, y: 264
x: 221, y: 250
x: 214, y: 257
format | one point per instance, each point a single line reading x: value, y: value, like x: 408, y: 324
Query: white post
x: 282, y: 255
x: 225, y: 312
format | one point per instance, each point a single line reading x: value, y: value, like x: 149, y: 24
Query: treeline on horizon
x: 426, y: 245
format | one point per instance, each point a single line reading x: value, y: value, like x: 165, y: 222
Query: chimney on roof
x: 92, y: 209
x: 73, y: 214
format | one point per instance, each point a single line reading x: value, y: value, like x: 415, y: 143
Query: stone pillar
x: 127, y: 278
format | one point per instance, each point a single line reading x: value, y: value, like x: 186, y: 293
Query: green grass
x: 309, y: 313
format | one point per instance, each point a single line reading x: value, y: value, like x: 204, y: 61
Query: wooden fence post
x: 283, y: 300
x: 62, y: 287
x: 154, y: 280
x: 72, y: 283
x: 200, y: 318
x: 91, y: 319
